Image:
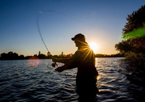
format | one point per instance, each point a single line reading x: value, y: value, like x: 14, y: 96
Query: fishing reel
x: 54, y: 64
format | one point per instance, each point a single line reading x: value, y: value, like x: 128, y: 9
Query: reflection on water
x: 21, y: 82
x: 135, y: 73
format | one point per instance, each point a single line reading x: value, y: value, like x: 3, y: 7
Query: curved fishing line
x: 65, y: 16
x: 39, y: 31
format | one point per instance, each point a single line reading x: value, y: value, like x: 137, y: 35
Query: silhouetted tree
x: 42, y: 56
x: 4, y: 56
x: 9, y: 56
x: 123, y: 46
x: 133, y: 46
x: 21, y: 57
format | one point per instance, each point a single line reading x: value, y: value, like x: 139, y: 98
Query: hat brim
x: 72, y: 39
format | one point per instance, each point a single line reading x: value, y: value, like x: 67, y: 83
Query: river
x: 37, y: 81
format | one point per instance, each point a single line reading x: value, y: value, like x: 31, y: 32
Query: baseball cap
x: 79, y: 36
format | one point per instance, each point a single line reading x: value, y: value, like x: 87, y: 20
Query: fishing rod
x: 39, y: 31
x: 38, y: 27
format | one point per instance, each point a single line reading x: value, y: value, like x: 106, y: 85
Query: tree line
x: 15, y: 56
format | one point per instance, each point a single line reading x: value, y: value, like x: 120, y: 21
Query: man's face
x: 77, y: 43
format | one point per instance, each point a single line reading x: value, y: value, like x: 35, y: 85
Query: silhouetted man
x: 84, y: 60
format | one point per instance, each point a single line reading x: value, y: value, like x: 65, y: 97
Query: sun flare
x: 93, y: 46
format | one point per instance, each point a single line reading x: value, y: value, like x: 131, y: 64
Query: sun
x: 93, y: 46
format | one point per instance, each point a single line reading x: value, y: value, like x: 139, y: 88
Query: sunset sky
x: 101, y: 21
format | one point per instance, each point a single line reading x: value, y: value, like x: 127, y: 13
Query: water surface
x: 21, y: 81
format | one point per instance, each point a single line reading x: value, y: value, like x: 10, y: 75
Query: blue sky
x: 101, y: 21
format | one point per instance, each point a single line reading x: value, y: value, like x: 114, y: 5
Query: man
x: 84, y: 60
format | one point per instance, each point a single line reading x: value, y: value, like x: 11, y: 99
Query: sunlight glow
x: 93, y: 46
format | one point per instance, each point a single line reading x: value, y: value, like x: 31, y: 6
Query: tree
x: 4, y: 56
x: 21, y: 57
x: 123, y: 46
x: 135, y: 25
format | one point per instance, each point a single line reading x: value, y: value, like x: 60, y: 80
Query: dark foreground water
x: 37, y: 81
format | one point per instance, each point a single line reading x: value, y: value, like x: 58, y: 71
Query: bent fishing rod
x: 39, y: 31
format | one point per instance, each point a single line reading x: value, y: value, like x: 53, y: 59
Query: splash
x: 33, y: 61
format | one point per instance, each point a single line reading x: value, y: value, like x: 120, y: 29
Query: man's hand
x: 54, y: 64
x: 60, y: 69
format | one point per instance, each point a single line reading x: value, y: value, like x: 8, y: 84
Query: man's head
x: 79, y: 39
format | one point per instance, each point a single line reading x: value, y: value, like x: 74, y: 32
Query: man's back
x: 84, y: 59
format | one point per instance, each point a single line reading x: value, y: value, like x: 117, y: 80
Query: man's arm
x: 60, y: 69
x: 69, y: 64
x: 61, y: 60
